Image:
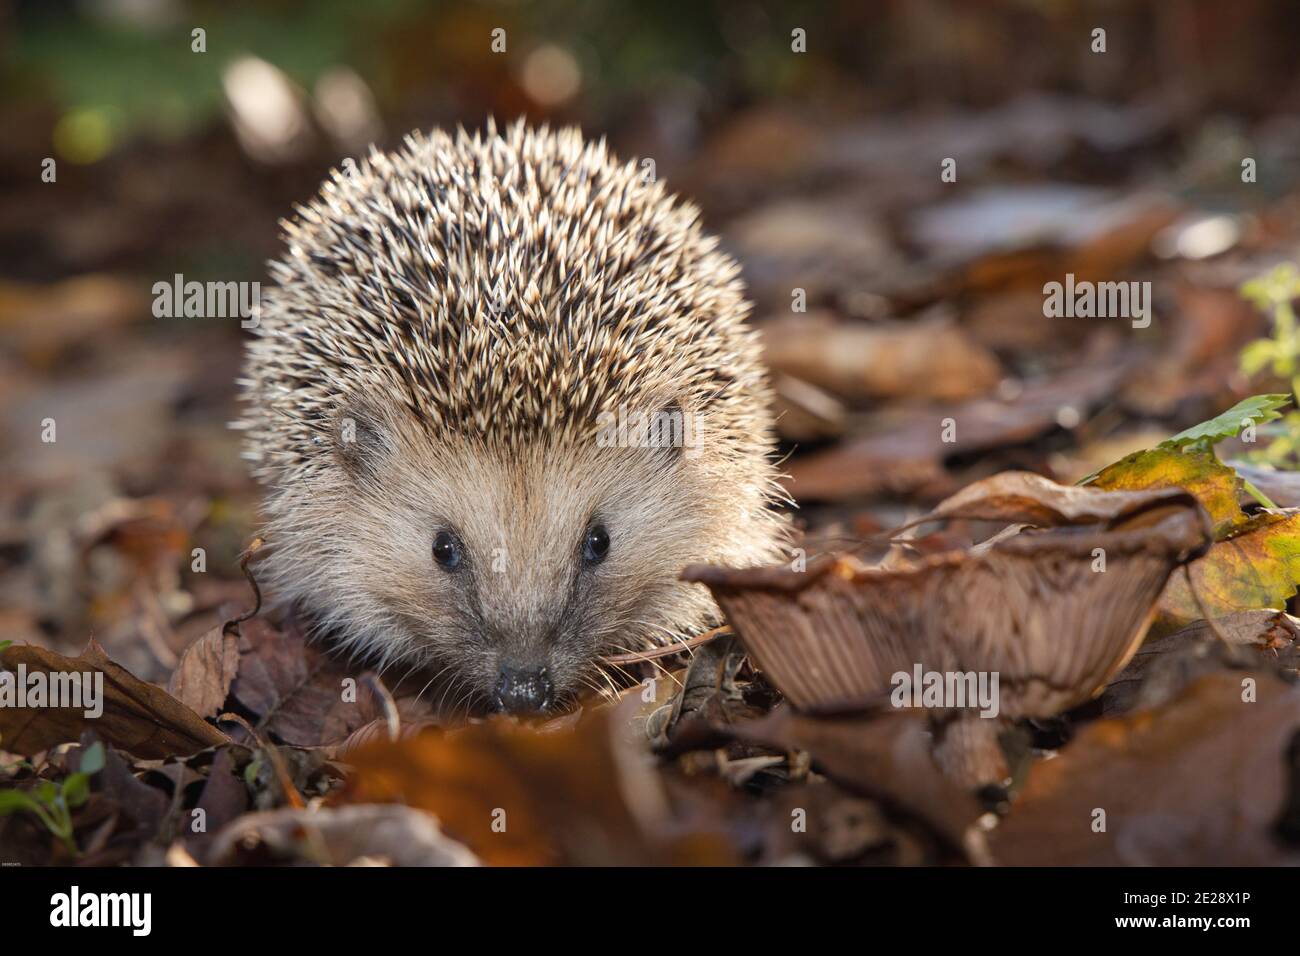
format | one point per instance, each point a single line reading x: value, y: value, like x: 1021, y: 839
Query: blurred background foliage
x: 97, y: 83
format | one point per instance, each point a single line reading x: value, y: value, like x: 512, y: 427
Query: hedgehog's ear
x: 362, y: 438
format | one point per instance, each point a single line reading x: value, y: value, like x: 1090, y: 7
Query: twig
x: 254, y: 552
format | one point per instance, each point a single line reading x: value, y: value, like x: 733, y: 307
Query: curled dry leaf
x: 203, y: 676
x: 1202, y: 781
x: 1034, y: 608
x: 137, y: 717
x: 1026, y: 498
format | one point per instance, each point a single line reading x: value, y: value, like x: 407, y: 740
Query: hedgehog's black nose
x: 523, y: 690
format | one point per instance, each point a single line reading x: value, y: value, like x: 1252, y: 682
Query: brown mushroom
x: 1038, y: 609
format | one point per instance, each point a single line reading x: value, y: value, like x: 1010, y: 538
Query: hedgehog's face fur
x: 522, y: 589
x: 428, y: 396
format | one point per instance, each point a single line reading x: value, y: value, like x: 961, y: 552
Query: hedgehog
x: 501, y: 391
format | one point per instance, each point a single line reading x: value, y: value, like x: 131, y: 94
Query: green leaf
x: 11, y: 801
x: 92, y: 759
x: 76, y: 789
x: 1273, y: 288
x: 47, y: 792
x: 1256, y: 409
x: 1257, y: 355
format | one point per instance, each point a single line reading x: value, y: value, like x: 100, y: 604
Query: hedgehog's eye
x: 446, y: 550
x: 595, y: 544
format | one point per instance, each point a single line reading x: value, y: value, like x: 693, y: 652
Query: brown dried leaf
x: 138, y: 717
x: 1202, y: 781
x: 296, y: 690
x: 887, y: 757
x: 1164, y: 666
x: 203, y: 676
x: 908, y: 452
x: 224, y: 797
x: 144, y: 805
x: 927, y: 359
x: 579, y: 796
x: 1026, y: 498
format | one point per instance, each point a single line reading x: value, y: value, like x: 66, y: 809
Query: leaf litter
x: 1160, y: 690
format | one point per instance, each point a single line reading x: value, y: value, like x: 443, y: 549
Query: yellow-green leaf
x: 1214, y: 484
x: 1257, y: 566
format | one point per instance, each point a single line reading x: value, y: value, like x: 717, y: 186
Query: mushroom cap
x: 1029, y: 607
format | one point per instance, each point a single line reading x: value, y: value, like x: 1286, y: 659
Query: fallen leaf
x: 297, y: 692
x: 886, y: 756
x: 224, y: 797
x: 805, y: 412
x: 204, y: 674
x: 139, y: 718
x: 925, y: 359
x: 1257, y: 566
x: 1215, y: 485
x: 1161, y: 668
x: 909, y: 450
x: 820, y: 245
x: 1202, y: 781
x: 138, y: 394
x: 515, y: 796
x: 1001, y: 218
x: 709, y: 691
x: 143, y: 805
x: 1025, y: 498
x: 42, y: 320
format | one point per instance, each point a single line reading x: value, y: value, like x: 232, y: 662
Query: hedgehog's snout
x: 521, y: 690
